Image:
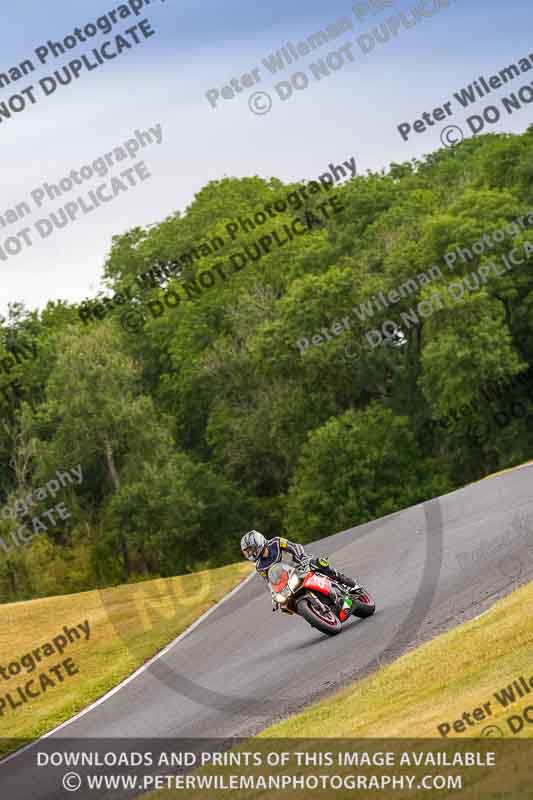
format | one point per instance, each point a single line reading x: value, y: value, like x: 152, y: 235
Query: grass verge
x: 127, y: 625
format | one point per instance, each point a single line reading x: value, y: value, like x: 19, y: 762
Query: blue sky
x: 199, y: 46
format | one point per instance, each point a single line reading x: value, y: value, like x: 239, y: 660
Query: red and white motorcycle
x: 322, y: 602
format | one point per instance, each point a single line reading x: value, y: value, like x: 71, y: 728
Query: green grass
x: 128, y: 625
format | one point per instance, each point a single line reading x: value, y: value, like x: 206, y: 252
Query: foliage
x: 210, y: 421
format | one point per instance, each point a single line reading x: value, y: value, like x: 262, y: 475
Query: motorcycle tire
x: 363, y: 606
x: 331, y: 625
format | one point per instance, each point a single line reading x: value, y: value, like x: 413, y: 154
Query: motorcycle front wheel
x: 323, y: 619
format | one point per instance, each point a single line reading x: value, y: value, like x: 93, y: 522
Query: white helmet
x: 252, y: 544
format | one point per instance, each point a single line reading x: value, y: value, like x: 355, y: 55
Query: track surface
x: 429, y: 567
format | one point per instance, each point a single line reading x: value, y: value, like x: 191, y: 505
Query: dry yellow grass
x: 128, y: 625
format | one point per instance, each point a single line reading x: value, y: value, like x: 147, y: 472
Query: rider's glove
x: 303, y: 567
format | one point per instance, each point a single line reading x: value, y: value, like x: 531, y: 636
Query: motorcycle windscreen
x: 278, y: 577
x: 319, y: 583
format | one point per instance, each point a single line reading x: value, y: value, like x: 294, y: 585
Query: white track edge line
x: 134, y: 675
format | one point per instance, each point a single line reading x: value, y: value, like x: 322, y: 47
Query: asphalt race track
x: 429, y: 567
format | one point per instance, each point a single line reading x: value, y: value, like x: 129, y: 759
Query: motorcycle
x: 324, y: 603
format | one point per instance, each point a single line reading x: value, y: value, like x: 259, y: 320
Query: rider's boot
x: 352, y: 585
x: 323, y: 565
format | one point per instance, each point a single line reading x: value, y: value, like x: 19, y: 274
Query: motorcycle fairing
x: 281, y: 584
x: 346, y: 609
x: 318, y: 583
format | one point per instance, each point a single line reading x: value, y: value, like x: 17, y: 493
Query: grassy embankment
x: 128, y: 625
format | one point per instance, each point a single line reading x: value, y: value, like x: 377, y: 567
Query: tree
x: 96, y: 413
x: 358, y: 466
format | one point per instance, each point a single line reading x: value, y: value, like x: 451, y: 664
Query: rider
x: 265, y: 553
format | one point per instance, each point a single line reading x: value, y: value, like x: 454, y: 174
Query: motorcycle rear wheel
x: 363, y: 606
x: 329, y: 624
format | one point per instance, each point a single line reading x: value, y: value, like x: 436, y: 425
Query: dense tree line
x: 209, y: 420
